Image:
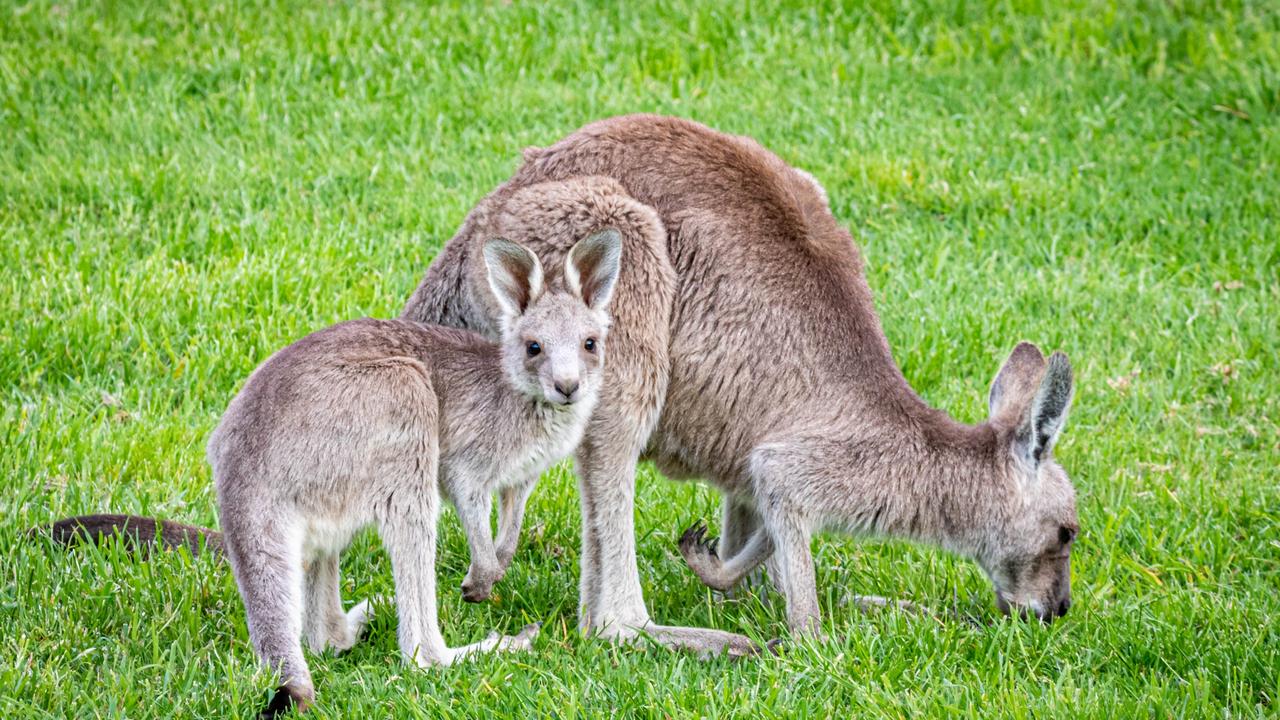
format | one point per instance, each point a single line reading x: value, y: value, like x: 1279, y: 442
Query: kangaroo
x: 746, y: 351
x: 991, y: 492
x: 363, y: 423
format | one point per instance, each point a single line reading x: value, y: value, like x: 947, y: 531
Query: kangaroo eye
x: 590, y: 345
x: 533, y: 348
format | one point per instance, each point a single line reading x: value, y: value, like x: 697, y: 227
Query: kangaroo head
x: 1028, y: 553
x: 553, y: 339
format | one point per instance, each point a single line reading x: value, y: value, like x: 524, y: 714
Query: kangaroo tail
x: 140, y: 533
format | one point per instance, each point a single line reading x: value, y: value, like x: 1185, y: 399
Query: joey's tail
x: 141, y: 533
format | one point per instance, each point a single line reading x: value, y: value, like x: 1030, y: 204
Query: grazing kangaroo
x: 746, y: 350
x: 991, y: 492
x: 364, y: 422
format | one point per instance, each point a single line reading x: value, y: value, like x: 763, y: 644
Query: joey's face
x: 1030, y: 563
x: 553, y: 338
x: 555, y: 351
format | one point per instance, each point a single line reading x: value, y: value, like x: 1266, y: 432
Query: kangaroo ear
x: 1017, y: 379
x: 515, y: 275
x: 1044, y: 417
x: 591, y: 268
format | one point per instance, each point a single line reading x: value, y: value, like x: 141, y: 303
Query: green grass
x: 184, y: 189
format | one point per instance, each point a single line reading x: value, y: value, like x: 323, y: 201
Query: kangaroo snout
x: 1043, y: 613
x: 567, y: 389
x: 1063, y: 606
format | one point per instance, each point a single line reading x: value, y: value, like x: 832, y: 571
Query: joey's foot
x: 344, y: 630
x: 700, y: 555
x: 523, y: 640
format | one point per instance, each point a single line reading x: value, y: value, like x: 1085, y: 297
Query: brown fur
x: 746, y: 348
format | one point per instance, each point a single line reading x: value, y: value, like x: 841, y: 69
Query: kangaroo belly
x: 324, y: 536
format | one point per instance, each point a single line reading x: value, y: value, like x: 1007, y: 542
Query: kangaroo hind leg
x: 411, y: 541
x: 791, y: 530
x: 326, y: 624
x: 267, y: 562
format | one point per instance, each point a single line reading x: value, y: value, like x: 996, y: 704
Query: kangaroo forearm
x: 758, y: 549
x: 510, y: 521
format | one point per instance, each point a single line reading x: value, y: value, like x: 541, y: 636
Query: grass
x: 185, y: 188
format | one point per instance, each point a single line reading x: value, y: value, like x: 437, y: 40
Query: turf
x: 185, y: 188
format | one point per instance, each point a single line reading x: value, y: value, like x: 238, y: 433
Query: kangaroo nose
x: 1064, y: 606
x: 567, y: 388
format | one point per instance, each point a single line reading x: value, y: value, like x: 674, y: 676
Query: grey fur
x: 368, y: 422
x: 746, y: 351
x: 989, y: 492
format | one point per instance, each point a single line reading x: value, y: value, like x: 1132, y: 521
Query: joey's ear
x: 591, y: 268
x: 1017, y: 379
x: 1044, y: 417
x: 515, y: 275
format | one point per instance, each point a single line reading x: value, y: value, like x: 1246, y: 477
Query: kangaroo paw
x: 700, y: 555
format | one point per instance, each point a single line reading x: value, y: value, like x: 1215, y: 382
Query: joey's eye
x: 590, y: 345
x: 533, y: 348
x: 1066, y: 534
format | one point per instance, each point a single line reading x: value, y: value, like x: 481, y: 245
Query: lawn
x: 186, y: 188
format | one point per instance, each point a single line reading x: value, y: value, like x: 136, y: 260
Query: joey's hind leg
x: 266, y: 558
x: 512, y: 501
x: 410, y: 538
x: 325, y: 624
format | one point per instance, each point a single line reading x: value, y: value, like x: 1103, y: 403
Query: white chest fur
x: 552, y: 435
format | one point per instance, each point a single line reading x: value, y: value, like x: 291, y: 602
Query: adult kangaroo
x: 747, y: 322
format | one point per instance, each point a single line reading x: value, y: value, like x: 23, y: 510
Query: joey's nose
x: 567, y: 388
